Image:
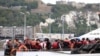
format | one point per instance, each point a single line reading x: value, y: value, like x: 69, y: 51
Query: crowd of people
x: 11, y: 46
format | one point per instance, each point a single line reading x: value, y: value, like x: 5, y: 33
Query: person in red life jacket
x: 27, y: 43
x: 33, y: 43
x: 66, y: 44
x: 84, y: 42
x: 88, y: 41
x: 72, y: 44
x: 55, y: 45
x: 38, y: 46
x: 95, y: 40
x: 22, y: 47
x: 78, y: 43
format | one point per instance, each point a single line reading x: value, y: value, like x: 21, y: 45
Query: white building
x: 61, y: 2
x: 54, y: 35
x: 14, y: 31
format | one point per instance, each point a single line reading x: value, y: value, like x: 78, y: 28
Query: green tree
x: 32, y: 5
x: 10, y: 3
x: 81, y: 26
x: 34, y: 19
x: 58, y: 10
x: 3, y: 21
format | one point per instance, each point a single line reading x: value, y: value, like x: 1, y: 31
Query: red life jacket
x: 55, y: 45
x: 84, y: 42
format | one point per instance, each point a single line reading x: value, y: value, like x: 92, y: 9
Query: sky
x: 84, y: 1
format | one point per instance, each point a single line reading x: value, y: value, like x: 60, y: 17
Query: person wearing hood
x: 7, y: 47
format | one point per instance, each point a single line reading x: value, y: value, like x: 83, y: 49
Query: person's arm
x: 22, y: 46
x: 26, y: 49
x: 4, y: 46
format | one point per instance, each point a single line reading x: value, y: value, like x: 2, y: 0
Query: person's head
x: 66, y: 38
x: 72, y: 40
x: 33, y: 39
x: 21, y: 43
x: 16, y: 40
x: 26, y: 38
x: 7, y: 40
x: 56, y: 40
x: 37, y: 39
x: 46, y: 39
x: 87, y: 39
x: 83, y: 38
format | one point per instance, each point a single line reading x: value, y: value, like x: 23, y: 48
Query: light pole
x: 13, y: 37
x: 63, y: 32
x: 24, y: 24
x: 41, y: 24
x: 1, y: 27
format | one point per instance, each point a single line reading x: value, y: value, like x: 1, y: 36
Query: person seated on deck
x: 8, y: 47
x: 55, y: 45
x: 27, y: 43
x: 66, y: 44
x: 22, y: 47
x: 15, y: 45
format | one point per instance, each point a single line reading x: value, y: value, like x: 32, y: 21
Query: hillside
x: 38, y: 11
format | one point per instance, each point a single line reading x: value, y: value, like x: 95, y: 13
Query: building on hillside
x: 77, y: 5
x: 28, y: 0
x: 61, y: 2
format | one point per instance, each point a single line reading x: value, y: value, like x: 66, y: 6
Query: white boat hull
x: 47, y: 53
